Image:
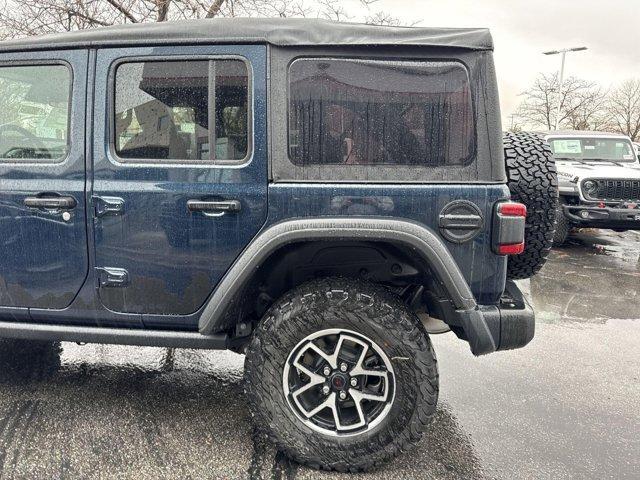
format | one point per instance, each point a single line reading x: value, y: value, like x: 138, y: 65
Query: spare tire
x: 532, y: 180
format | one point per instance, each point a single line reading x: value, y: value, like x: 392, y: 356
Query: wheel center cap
x: 339, y: 381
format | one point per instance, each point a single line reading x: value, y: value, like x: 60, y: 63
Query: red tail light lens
x: 511, y: 249
x: 513, y: 209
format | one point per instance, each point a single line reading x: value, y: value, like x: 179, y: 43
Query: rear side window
x: 370, y: 112
x: 35, y: 104
x: 193, y: 110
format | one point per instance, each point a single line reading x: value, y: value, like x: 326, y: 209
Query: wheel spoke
x: 355, y: 395
x: 336, y: 352
x: 360, y: 370
x: 328, y: 403
x: 336, y: 415
x: 360, y: 362
x: 330, y: 359
x: 310, y: 394
x: 358, y: 396
x: 370, y: 373
x: 314, y: 377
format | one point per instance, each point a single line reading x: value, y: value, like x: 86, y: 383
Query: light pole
x: 564, y: 55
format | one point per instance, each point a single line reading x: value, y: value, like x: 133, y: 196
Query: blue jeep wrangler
x: 318, y: 196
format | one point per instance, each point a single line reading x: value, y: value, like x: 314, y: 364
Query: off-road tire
x: 532, y: 180
x: 563, y: 228
x: 369, y: 310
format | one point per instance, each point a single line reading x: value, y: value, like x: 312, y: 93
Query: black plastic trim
x: 603, y: 217
x: 419, y: 238
x: 490, y: 328
x: 117, y: 336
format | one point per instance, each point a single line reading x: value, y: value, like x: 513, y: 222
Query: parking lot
x: 567, y: 406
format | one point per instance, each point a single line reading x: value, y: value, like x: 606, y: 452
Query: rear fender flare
x: 419, y: 238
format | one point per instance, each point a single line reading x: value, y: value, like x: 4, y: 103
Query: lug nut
x: 354, y: 382
x: 343, y: 367
x: 326, y: 371
x: 325, y: 390
x: 343, y: 395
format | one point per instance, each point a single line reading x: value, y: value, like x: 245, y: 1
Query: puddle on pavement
x: 445, y: 452
x: 594, y: 278
x: 132, y: 409
x: 75, y: 411
x: 70, y: 411
x: 621, y: 245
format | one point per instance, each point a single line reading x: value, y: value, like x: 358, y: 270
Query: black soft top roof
x: 274, y: 31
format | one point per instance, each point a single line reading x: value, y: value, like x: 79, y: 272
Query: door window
x: 34, y: 112
x: 176, y: 110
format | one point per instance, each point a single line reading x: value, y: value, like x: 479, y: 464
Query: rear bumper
x: 506, y: 326
x: 607, y: 217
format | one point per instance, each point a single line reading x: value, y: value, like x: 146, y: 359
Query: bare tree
x: 383, y: 18
x: 333, y: 10
x: 515, y: 123
x: 32, y: 17
x: 624, y: 109
x: 587, y: 109
x: 581, y: 103
x: 47, y: 16
x: 337, y: 10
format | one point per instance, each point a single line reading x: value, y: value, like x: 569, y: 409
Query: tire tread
x: 362, y: 302
x: 532, y: 180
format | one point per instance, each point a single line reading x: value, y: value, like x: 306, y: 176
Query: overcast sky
x: 523, y: 29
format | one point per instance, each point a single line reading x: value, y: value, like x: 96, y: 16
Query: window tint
x: 175, y: 110
x: 371, y: 112
x: 34, y: 112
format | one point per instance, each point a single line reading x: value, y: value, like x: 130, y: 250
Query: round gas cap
x: 460, y: 221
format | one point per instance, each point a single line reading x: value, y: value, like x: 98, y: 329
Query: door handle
x: 217, y: 207
x: 108, y: 206
x: 57, y: 203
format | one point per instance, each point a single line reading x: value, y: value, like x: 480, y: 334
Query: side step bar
x: 116, y: 336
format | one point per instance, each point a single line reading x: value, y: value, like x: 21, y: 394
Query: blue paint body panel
x: 484, y: 271
x: 43, y: 258
x: 50, y: 269
x: 175, y: 257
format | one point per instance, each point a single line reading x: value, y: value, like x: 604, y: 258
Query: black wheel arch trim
x: 419, y: 238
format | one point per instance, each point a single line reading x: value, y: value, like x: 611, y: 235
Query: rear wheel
x: 341, y: 375
x: 532, y: 180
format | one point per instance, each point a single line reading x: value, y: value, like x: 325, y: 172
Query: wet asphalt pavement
x: 566, y: 406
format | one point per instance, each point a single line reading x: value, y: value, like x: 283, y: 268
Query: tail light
x: 508, y: 228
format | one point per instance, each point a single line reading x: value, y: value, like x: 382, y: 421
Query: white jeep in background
x: 598, y: 181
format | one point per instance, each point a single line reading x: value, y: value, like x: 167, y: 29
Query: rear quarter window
x: 379, y: 112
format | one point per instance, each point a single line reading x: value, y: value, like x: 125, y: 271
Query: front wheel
x: 341, y: 375
x: 563, y: 228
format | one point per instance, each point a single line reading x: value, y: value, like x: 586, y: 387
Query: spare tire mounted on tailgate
x: 532, y: 180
